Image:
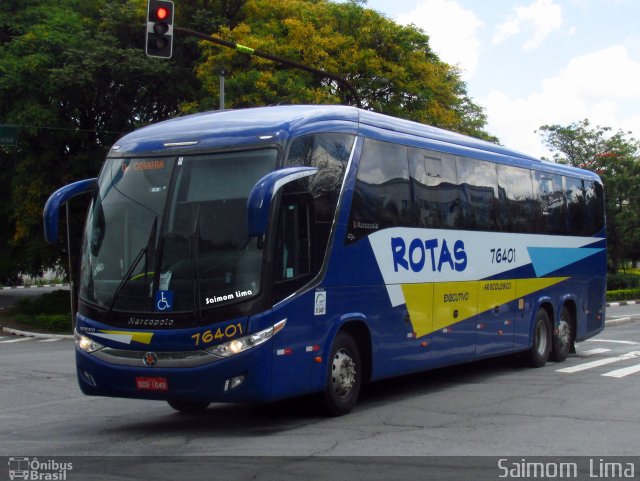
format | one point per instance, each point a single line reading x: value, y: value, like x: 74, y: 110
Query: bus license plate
x: 152, y: 384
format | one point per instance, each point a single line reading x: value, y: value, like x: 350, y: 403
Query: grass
x: 50, y: 311
x: 623, y: 286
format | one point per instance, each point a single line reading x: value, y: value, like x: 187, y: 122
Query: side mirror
x: 263, y: 193
x: 51, y: 213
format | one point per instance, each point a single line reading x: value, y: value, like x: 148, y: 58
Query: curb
x: 622, y: 303
x: 33, y: 287
x: 17, y: 332
x: 618, y: 320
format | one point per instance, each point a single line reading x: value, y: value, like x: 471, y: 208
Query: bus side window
x: 478, y: 193
x: 551, y: 202
x: 382, y: 196
x: 576, y: 206
x: 434, y: 186
x: 518, y: 208
x: 595, y: 208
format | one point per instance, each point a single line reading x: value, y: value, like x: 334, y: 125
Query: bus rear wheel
x: 344, y: 377
x: 189, y: 407
x: 563, y: 338
x: 538, y: 354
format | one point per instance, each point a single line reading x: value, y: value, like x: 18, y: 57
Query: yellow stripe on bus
x: 434, y: 306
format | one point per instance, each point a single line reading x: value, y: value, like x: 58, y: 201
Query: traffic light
x: 159, y: 28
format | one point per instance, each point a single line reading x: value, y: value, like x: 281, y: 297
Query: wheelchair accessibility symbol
x: 164, y: 301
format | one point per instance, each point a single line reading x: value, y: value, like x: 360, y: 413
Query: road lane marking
x: 625, y: 371
x: 629, y: 343
x: 600, y: 362
x: 593, y: 352
x: 20, y: 339
x: 51, y: 339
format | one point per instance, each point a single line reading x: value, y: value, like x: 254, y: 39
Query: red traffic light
x: 162, y: 13
x: 159, y: 42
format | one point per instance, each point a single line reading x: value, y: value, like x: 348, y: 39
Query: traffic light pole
x: 273, y: 58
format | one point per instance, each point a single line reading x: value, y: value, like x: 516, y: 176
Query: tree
x: 392, y: 67
x: 615, y: 157
x: 74, y: 77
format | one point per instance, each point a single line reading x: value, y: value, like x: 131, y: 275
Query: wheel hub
x: 541, y: 337
x: 564, y: 332
x: 343, y: 373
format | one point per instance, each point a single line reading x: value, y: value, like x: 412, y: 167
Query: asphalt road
x: 586, y: 406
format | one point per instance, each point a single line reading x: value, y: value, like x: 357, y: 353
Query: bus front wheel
x: 344, y: 377
x: 538, y: 354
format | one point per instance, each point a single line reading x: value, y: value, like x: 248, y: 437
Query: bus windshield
x: 174, y: 226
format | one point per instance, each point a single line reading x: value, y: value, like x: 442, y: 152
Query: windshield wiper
x: 143, y: 252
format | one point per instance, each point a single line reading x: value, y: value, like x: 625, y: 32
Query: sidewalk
x: 37, y: 286
x: 44, y: 335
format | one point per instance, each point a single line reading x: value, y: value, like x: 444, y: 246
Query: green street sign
x: 8, y: 135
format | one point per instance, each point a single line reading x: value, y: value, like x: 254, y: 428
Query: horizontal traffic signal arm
x: 273, y: 58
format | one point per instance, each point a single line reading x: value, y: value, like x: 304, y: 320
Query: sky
x: 534, y: 62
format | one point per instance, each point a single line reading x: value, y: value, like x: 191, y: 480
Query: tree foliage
x: 392, y: 67
x: 615, y: 156
x: 74, y: 77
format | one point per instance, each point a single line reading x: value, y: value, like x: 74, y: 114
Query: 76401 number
x: 500, y: 256
x: 208, y: 336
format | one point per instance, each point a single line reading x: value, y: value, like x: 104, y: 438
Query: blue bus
x: 258, y: 254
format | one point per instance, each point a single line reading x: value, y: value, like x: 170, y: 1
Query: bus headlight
x: 86, y: 343
x: 236, y: 346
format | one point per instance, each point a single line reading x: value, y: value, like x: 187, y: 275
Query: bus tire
x: 344, y: 375
x: 563, y: 338
x: 189, y: 407
x: 538, y: 354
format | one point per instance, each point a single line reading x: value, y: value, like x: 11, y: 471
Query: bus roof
x: 232, y: 127
x: 218, y: 129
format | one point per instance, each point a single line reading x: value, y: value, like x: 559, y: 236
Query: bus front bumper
x: 245, y: 377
